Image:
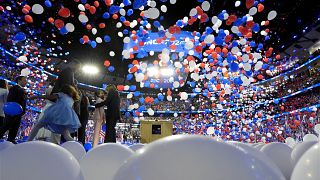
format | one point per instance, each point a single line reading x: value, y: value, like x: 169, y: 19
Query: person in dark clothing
x: 66, y: 77
x: 112, y: 113
x: 12, y: 123
x: 3, y: 98
x: 84, y: 116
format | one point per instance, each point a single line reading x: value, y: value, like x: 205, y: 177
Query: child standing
x: 60, y: 117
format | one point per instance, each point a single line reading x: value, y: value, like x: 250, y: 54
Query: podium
x: 153, y: 130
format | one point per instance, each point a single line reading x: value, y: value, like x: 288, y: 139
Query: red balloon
x: 260, y: 7
x: 28, y: 18
x: 64, y: 12
x: 96, y: 4
x: 27, y: 7
x: 85, y: 39
x: 106, y: 63
x: 249, y: 3
x: 102, y: 25
x: 108, y: 2
x: 50, y: 20
x: 59, y: 23
x: 25, y: 11
x: 120, y: 87
x: 92, y: 9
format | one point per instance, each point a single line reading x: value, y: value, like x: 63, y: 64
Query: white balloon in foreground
x: 163, y: 159
x: 308, y: 166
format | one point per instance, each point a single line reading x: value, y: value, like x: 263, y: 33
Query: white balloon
x: 317, y: 129
x: 309, y: 164
x: 5, y: 144
x: 99, y: 40
x: 272, y: 15
x: 163, y: 8
x: 259, y: 155
x: 253, y: 11
x: 210, y: 130
x: 81, y: 7
x: 259, y: 146
x: 102, y: 162
x: 300, y: 149
x: 205, y: 5
x: 150, y: 112
x: 136, y: 147
x: 25, y: 72
x: 237, y: 3
x: 152, y: 13
x: 111, y: 53
x: 37, y: 9
x: 163, y: 159
x: 209, y: 39
x: 94, y: 31
x: 129, y: 96
x: 169, y: 98
x: 75, y: 148
x: 310, y: 137
x: 83, y: 18
x: 176, y: 84
x: 193, y: 12
x: 70, y: 27
x: 173, y: 1
x: 36, y: 160
x: 126, y: 40
x: 280, y: 154
x: 23, y: 59
x: 184, y: 96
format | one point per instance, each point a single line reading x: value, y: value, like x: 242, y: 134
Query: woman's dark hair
x: 71, y: 91
x: 3, y: 84
x: 19, y: 78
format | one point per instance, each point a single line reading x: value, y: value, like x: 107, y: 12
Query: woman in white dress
x: 98, y: 117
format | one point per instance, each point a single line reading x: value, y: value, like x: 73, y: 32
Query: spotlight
x: 90, y: 69
x: 153, y: 71
x: 166, y: 72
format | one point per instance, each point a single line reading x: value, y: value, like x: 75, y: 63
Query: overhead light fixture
x: 166, y: 72
x: 90, y: 69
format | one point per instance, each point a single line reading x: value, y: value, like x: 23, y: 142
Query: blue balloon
x: 12, y: 109
x: 106, y: 15
x: 107, y: 38
x: 47, y: 3
x: 20, y: 36
x: 114, y: 9
x: 87, y: 146
x: 160, y: 96
x: 136, y: 94
x: 111, y: 68
x: 132, y: 88
x: 126, y: 2
x: 129, y: 77
x: 234, y: 67
x: 138, y: 3
x: 129, y: 12
x: 93, y: 44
